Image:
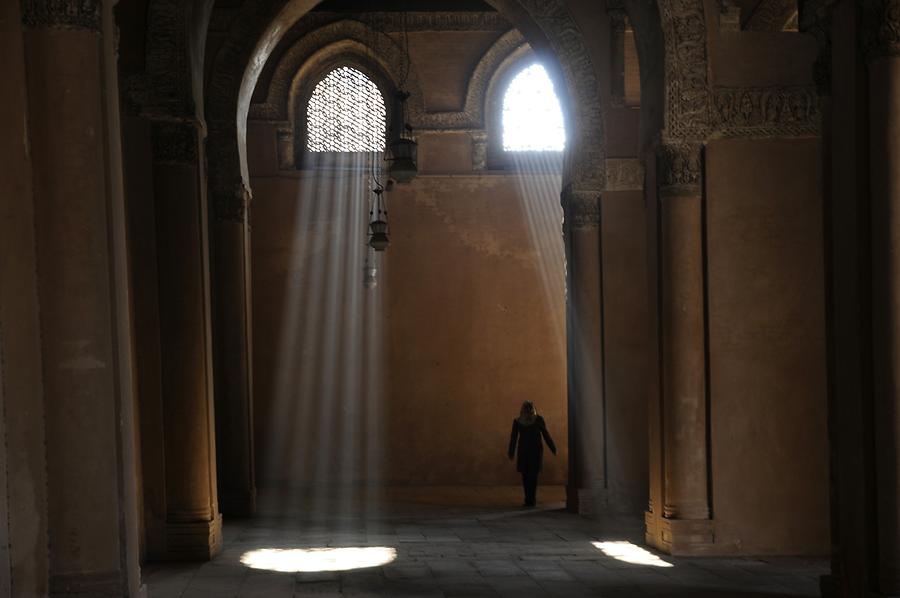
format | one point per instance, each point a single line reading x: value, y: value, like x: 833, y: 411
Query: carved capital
x: 69, y: 14
x: 231, y: 204
x: 581, y: 209
x: 680, y: 166
x: 175, y: 142
x: 881, y: 29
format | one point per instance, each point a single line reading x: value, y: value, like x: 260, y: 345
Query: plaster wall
x: 769, y: 445
x: 471, y: 319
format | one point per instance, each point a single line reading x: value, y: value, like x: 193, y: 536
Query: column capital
x: 71, y: 14
x: 680, y: 166
x: 581, y: 208
x: 231, y: 202
x: 176, y: 141
x: 881, y: 29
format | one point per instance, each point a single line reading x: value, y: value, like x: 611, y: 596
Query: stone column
x: 78, y: 225
x: 684, y: 526
x: 21, y: 389
x: 883, y: 37
x: 233, y: 358
x: 587, y: 421
x: 193, y: 522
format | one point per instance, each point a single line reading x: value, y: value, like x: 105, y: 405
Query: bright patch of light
x: 313, y: 560
x: 532, y: 118
x: 630, y: 553
x: 346, y: 113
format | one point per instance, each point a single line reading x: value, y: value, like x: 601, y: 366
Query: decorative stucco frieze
x: 70, y: 14
x: 764, y: 112
x: 175, y: 142
x: 881, y: 29
x: 624, y: 174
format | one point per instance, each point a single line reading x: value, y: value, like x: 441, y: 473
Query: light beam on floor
x: 631, y: 553
x: 314, y: 560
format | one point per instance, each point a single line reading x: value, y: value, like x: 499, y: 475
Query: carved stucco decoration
x: 70, y: 14
x: 164, y: 88
x: 232, y: 204
x: 687, y: 90
x: 881, y: 29
x: 695, y: 111
x: 581, y: 208
x: 765, y: 111
x: 679, y: 166
x: 624, y: 174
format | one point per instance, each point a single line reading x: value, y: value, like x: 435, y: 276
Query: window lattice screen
x: 346, y: 113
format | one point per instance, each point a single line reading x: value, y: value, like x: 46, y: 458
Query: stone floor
x: 464, y: 550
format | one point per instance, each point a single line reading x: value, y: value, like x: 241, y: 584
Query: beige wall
x: 470, y: 316
x: 767, y: 346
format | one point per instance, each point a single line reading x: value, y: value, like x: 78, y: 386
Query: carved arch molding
x: 585, y: 163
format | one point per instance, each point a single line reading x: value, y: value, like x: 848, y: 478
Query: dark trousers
x: 529, y: 484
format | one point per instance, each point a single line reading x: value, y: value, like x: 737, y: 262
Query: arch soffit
x: 252, y: 36
x: 347, y: 38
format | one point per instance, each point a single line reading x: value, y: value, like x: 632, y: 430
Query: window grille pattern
x: 346, y: 113
x: 532, y: 118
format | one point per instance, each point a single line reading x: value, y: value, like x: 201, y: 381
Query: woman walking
x: 528, y: 429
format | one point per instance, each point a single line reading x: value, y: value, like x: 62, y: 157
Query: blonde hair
x: 528, y: 408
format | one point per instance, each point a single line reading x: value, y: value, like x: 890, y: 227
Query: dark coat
x: 531, y: 449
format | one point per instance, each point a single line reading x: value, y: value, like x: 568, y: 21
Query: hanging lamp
x: 404, y: 149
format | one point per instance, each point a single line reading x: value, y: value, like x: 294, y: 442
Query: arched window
x: 346, y: 113
x: 532, y: 118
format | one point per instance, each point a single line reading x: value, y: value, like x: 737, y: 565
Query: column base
x: 238, y: 503
x: 194, y: 541
x: 88, y: 585
x: 680, y: 537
